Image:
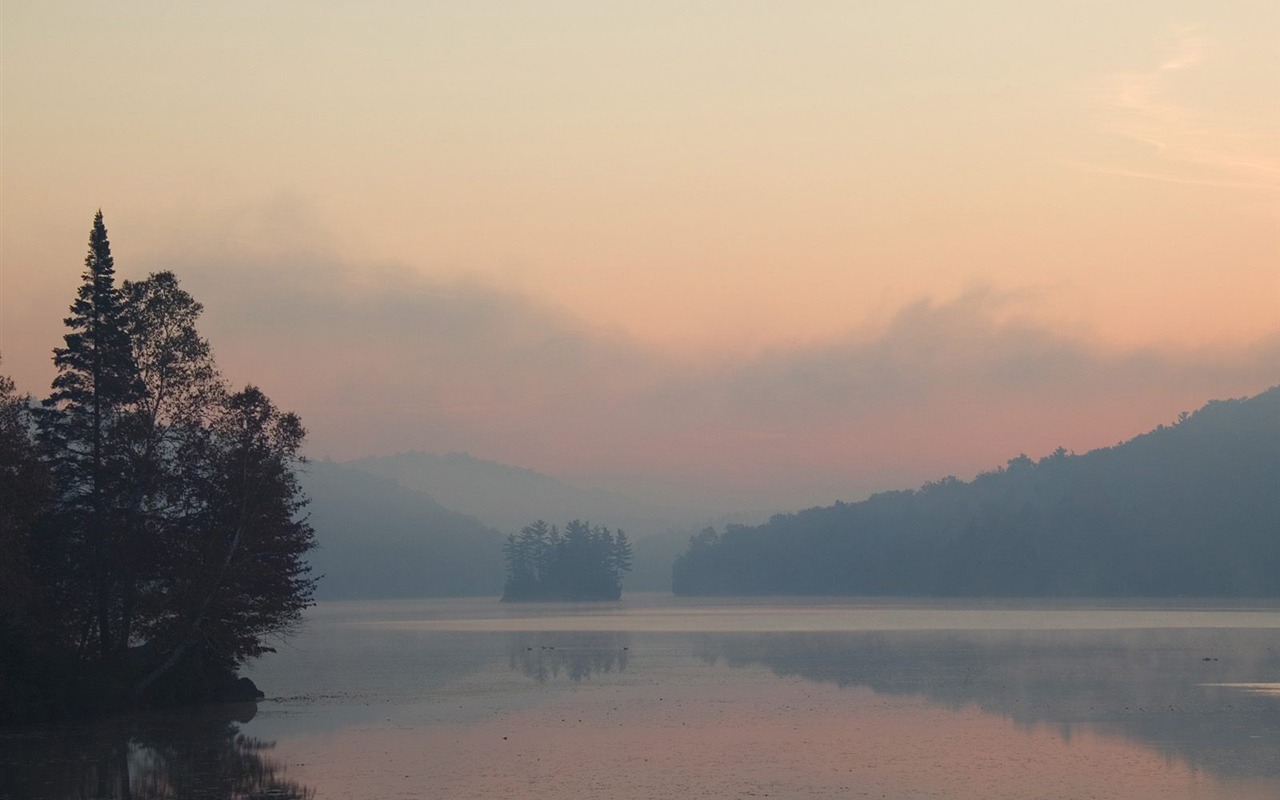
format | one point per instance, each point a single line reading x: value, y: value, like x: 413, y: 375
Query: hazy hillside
x: 508, y: 498
x: 377, y: 538
x: 1192, y: 508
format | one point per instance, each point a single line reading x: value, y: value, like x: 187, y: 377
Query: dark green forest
x: 1191, y: 508
x: 152, y: 528
x: 584, y: 562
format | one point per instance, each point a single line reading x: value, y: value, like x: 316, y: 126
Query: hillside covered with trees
x: 1191, y: 508
x: 152, y: 535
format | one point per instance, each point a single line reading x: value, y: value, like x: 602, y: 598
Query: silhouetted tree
x: 25, y: 486
x: 236, y: 571
x: 170, y: 534
x: 25, y: 494
x: 585, y: 563
x: 96, y: 382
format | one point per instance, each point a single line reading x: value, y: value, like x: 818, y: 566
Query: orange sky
x: 953, y: 232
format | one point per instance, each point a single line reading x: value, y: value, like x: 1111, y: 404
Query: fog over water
x: 657, y: 697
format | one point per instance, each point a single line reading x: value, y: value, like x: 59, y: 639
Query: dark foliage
x: 1187, y: 509
x: 583, y: 563
x: 152, y: 519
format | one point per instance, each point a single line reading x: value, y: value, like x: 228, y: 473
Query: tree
x: 620, y: 557
x: 165, y: 435
x: 96, y: 381
x: 174, y: 543
x: 25, y: 486
x: 585, y: 563
x: 236, y: 569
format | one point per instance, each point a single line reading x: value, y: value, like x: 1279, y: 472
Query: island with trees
x: 151, y: 530
x: 1191, y: 508
x: 583, y: 562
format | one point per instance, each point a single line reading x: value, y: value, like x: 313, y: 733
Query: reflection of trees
x: 1149, y: 685
x: 199, y: 755
x: 577, y: 655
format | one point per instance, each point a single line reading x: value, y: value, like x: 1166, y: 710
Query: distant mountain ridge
x: 1187, y: 509
x: 507, y: 498
x: 378, y: 539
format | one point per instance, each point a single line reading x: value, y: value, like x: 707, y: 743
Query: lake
x: 661, y: 697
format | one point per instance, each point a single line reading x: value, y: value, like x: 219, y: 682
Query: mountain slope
x: 379, y: 539
x: 508, y: 498
x: 1192, y: 508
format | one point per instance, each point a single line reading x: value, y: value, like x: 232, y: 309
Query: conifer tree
x: 620, y: 556
x: 96, y: 381
x: 173, y: 542
x: 584, y: 563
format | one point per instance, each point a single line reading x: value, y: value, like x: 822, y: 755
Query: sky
x: 741, y: 254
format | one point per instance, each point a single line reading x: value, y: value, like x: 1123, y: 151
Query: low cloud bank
x: 384, y: 360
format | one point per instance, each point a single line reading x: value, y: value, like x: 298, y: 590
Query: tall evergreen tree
x: 620, y: 556
x: 172, y: 543
x: 97, y: 380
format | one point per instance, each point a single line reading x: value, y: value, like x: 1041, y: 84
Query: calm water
x: 658, y: 697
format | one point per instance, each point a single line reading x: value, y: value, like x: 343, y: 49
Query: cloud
x: 407, y: 362
x: 1191, y: 143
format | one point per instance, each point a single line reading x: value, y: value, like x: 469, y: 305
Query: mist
x: 382, y: 359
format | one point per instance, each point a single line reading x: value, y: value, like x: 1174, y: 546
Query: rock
x: 241, y: 690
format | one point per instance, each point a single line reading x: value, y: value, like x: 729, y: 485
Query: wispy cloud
x: 1189, y: 143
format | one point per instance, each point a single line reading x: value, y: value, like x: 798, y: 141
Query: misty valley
x: 1187, y: 509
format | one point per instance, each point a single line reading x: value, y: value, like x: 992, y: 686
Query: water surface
x: 658, y: 697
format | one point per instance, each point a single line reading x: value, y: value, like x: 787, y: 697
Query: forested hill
x: 378, y: 539
x: 1187, y: 509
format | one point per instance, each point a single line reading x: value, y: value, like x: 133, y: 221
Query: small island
x: 583, y: 562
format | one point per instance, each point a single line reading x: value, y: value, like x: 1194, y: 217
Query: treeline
x: 1191, y: 508
x: 584, y: 562
x: 151, y: 537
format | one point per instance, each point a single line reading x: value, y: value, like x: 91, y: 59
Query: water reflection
x: 1155, y: 687
x: 200, y: 755
x: 574, y: 655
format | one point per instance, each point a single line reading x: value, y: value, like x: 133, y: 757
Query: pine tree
x: 96, y: 382
x: 174, y: 542
x: 620, y: 557
x: 585, y: 563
